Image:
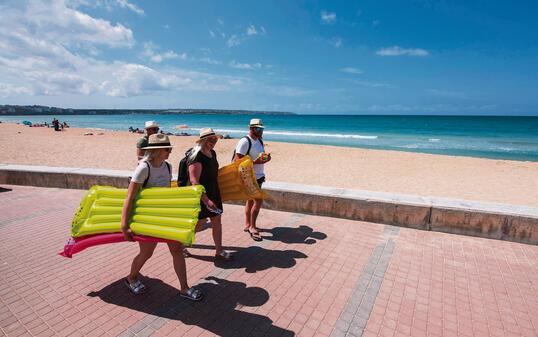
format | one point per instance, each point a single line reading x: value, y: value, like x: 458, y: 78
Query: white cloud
x: 336, y: 42
x: 157, y: 58
x: 351, y: 70
x: 211, y: 33
x: 233, y: 41
x: 399, y: 51
x: 130, y: 6
x: 41, y: 54
x: 63, y: 24
x: 251, y: 30
x: 328, y: 17
x: 246, y: 66
x: 372, y: 84
x: 107, y: 4
x: 209, y: 60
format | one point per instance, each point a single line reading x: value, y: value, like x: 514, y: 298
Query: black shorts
x: 261, y: 181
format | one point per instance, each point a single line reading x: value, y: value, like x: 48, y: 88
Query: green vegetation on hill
x: 46, y: 110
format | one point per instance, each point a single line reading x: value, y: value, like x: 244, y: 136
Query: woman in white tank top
x: 153, y: 171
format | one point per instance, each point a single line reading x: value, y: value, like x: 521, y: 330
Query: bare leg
x: 146, y: 250
x: 216, y: 231
x: 248, y: 212
x: 176, y: 249
x: 255, y: 210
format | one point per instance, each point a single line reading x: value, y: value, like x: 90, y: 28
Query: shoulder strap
x: 249, y: 145
x: 169, y: 167
x: 147, y: 178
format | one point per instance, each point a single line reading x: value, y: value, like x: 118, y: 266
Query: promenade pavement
x: 310, y: 276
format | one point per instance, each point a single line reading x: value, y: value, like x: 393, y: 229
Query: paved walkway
x: 311, y: 276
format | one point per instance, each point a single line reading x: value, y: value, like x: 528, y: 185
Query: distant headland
x: 22, y: 110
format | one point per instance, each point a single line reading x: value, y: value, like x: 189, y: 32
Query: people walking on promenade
x: 150, y: 128
x: 203, y: 170
x: 153, y: 171
x: 252, y: 145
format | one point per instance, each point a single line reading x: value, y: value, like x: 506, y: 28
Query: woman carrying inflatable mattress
x: 203, y: 170
x: 153, y: 171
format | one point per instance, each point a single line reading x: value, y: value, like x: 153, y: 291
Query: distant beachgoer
x: 252, y: 145
x: 64, y: 125
x: 56, y: 124
x: 203, y: 170
x: 153, y: 171
x: 151, y: 128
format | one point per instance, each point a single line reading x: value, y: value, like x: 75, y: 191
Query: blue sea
x: 514, y: 138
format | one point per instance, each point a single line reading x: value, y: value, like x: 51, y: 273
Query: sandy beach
x: 505, y: 181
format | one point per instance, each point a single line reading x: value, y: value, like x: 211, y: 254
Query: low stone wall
x: 489, y: 220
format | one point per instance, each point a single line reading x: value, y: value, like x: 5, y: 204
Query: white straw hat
x: 207, y: 132
x: 256, y: 123
x: 158, y: 141
x: 151, y: 124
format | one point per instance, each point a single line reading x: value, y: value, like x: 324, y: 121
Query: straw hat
x: 151, y: 124
x: 158, y: 141
x: 207, y: 132
x: 256, y: 123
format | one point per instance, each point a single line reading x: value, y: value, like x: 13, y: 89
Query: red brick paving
x: 297, y: 284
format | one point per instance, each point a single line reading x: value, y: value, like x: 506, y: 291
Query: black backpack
x: 183, y: 171
x: 249, y: 147
x: 149, y: 172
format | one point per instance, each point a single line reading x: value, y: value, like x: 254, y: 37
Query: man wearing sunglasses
x: 150, y: 128
x: 252, y: 145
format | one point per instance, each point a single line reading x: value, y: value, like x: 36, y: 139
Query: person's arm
x: 195, y: 170
x: 126, y: 211
x: 139, y: 153
x: 258, y: 160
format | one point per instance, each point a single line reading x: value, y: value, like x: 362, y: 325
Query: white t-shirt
x: 158, y: 177
x: 255, y: 150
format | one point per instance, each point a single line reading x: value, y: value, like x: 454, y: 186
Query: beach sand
x: 514, y: 182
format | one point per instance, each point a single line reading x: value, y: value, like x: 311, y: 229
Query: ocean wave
x: 434, y: 140
x: 303, y: 134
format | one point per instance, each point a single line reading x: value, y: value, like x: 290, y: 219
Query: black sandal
x: 192, y: 294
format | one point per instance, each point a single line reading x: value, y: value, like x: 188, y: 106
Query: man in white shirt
x: 252, y: 145
x: 150, y: 128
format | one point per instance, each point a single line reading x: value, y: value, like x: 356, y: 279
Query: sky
x: 307, y: 57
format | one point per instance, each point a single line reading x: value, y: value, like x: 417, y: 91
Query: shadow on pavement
x: 254, y: 258
x: 301, y: 234
x: 219, y: 312
x: 5, y: 189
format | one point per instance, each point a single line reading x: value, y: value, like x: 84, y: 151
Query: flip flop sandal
x: 136, y: 288
x: 186, y: 253
x: 193, y: 294
x: 224, y: 256
x: 255, y: 236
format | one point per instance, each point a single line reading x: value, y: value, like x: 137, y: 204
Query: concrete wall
x: 489, y: 220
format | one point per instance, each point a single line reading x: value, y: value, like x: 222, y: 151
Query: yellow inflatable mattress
x: 166, y: 213
x: 237, y: 181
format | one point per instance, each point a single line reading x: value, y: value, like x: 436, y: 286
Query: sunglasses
x: 212, y: 140
x: 155, y: 129
x: 258, y: 129
x: 168, y: 150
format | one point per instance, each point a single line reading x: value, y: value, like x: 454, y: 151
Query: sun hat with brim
x: 206, y: 133
x: 256, y: 123
x: 151, y: 124
x: 158, y: 141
